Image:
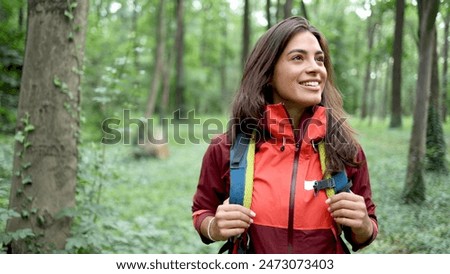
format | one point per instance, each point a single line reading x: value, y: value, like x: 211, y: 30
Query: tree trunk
x: 223, y: 68
x: 435, y: 144
x: 303, y: 9
x: 268, y: 16
x: 21, y: 15
x: 179, y: 60
x: 396, y: 103
x: 372, y: 101
x: 370, y: 37
x: 278, y: 13
x: 414, y: 189
x: 45, y: 162
x: 288, y: 8
x: 159, y: 61
x: 386, y: 92
x: 245, y: 33
x: 445, y: 68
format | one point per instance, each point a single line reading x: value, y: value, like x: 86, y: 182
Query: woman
x: 287, y: 96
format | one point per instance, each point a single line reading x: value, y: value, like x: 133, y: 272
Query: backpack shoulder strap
x: 332, y: 184
x: 242, y: 155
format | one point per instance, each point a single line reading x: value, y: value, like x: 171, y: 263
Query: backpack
x: 242, y: 155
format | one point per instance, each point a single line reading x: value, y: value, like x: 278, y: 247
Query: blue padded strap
x: 238, y: 164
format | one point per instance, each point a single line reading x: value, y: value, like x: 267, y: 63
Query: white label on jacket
x: 309, y: 185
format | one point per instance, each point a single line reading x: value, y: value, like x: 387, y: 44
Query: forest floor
x: 128, y: 205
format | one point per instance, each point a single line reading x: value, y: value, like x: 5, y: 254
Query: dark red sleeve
x: 213, y: 184
x: 361, y: 186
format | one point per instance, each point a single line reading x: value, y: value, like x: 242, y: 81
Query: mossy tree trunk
x: 435, y: 145
x: 45, y: 159
x: 414, y: 189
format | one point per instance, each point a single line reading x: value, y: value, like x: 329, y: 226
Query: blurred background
x: 107, y: 106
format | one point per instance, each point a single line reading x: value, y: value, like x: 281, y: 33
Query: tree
x: 245, y: 33
x: 445, y: 66
x: 159, y: 61
x: 414, y: 188
x: 45, y: 162
x: 288, y: 8
x: 179, y: 59
x: 435, y: 143
x: 396, y: 103
x: 268, y: 15
x: 371, y: 29
x: 303, y: 9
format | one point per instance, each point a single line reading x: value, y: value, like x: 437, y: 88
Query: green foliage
x: 12, y: 37
x: 6, y: 156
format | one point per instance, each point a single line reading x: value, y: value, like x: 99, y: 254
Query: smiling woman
x: 300, y: 75
x: 288, y: 105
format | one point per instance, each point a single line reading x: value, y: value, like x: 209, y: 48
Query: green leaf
x: 56, y: 82
x: 19, y: 137
x: 73, y: 5
x: 24, y: 214
x: 25, y: 166
x: 68, y: 14
x: 27, y: 180
x: 29, y: 128
x: 22, y: 234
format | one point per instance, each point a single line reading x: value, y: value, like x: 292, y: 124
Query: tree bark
x: 288, y: 8
x: 414, y: 189
x: 45, y: 162
x: 245, y: 33
x: 396, y: 103
x: 445, y: 68
x: 179, y: 60
x: 371, y: 27
x: 268, y: 16
x: 435, y: 143
x: 223, y: 67
x: 159, y: 61
x: 278, y: 12
x: 303, y: 9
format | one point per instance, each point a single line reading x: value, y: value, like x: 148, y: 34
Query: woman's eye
x: 297, y: 57
x: 320, y: 59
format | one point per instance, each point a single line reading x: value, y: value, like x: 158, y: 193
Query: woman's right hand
x: 230, y: 220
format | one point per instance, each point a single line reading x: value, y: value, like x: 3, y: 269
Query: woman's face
x: 300, y: 74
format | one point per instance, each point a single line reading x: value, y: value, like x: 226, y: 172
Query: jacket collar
x: 312, y: 123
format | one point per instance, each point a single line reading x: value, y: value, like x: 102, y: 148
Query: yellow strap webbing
x: 249, y: 172
x: 323, y: 165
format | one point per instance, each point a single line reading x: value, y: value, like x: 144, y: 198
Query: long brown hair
x: 255, y: 93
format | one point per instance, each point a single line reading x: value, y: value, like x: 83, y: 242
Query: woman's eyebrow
x: 304, y: 51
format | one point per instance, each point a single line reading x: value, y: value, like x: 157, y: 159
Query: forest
x: 108, y: 106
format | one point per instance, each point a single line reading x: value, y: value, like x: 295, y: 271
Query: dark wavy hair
x: 254, y: 93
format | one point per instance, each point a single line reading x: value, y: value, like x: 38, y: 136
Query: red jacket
x: 289, y: 217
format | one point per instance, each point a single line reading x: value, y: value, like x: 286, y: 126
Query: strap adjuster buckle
x: 323, y: 184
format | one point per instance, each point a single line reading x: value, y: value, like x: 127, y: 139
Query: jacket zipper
x: 292, y: 198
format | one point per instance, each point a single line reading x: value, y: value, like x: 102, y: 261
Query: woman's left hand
x: 350, y: 210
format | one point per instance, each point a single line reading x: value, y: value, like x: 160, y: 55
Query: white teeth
x: 310, y: 84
